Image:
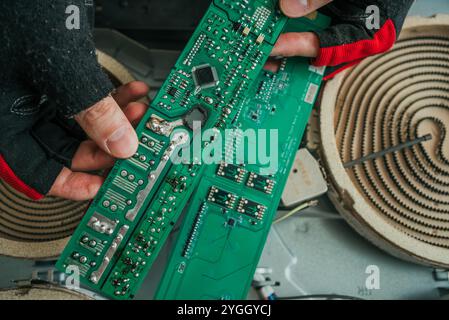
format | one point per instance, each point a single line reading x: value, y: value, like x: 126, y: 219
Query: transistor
x: 172, y: 91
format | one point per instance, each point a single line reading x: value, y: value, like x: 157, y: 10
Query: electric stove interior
x: 313, y: 253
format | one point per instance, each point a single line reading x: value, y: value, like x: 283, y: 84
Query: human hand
x: 353, y: 34
x: 109, y: 125
x: 52, y: 93
x: 65, y: 157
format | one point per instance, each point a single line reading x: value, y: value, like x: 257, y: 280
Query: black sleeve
x: 48, y: 73
x: 54, y: 55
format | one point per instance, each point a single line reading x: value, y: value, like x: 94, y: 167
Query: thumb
x: 107, y: 125
x: 301, y: 8
x: 303, y: 44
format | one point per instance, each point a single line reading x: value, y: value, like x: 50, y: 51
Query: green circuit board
x: 142, y: 198
x: 230, y: 214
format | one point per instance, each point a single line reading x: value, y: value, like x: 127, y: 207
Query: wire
x: 296, y: 210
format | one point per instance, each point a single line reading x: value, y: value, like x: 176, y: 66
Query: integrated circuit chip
x: 198, y: 114
x: 231, y: 172
x: 251, y: 208
x: 222, y: 198
x: 236, y: 26
x: 231, y: 222
x: 205, y: 76
x: 260, y: 183
x: 173, y: 91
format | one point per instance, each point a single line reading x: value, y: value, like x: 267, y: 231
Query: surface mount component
x: 396, y: 108
x: 205, y: 76
x: 198, y: 115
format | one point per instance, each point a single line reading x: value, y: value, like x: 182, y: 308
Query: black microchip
x: 231, y: 172
x: 222, y: 198
x: 205, y: 76
x: 231, y: 222
x: 172, y: 91
x: 251, y: 208
x: 197, y: 114
x: 236, y: 26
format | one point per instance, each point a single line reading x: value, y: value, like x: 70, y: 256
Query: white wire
x: 296, y: 210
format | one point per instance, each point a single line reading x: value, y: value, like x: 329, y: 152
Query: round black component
x: 197, y: 114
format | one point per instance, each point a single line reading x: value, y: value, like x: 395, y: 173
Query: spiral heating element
x: 22, y: 219
x: 395, y: 107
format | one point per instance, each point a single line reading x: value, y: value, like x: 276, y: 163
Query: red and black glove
x: 360, y: 28
x: 354, y: 34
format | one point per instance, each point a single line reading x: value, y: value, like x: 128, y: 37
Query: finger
x: 272, y: 65
x: 133, y: 91
x: 135, y: 111
x: 303, y: 44
x: 108, y: 126
x: 76, y: 185
x: 301, y: 8
x: 130, y: 92
x: 89, y: 157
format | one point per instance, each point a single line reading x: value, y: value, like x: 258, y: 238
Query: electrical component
x: 260, y: 183
x: 251, y: 208
x: 227, y: 221
x: 231, y: 172
x: 198, y: 114
x: 205, y: 76
x: 388, y: 159
x: 222, y: 198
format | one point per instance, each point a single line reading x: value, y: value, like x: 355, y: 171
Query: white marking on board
x: 319, y: 70
x: 311, y: 93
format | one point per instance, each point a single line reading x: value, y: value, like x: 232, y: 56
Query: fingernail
x: 122, y: 143
x: 304, y: 3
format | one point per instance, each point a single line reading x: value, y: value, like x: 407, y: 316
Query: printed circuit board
x: 216, y: 86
